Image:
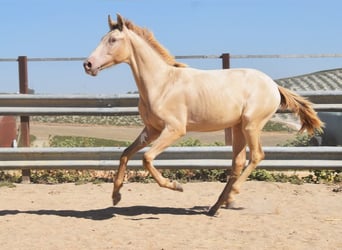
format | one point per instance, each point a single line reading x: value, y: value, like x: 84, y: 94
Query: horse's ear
x: 120, y: 21
x: 111, y: 23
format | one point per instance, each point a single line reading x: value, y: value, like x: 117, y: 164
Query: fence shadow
x: 110, y: 212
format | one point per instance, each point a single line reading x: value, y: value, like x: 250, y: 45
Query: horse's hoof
x: 212, y: 211
x: 116, y: 198
x: 177, y: 186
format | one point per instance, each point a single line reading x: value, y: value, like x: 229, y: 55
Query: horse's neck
x: 149, y: 69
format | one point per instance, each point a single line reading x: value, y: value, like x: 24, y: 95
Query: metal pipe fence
x: 33, y: 105
x: 108, y: 158
x: 232, y: 56
x: 26, y: 105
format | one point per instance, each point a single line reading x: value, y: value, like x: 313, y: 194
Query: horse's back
x: 221, y: 97
x: 250, y: 78
x: 233, y: 84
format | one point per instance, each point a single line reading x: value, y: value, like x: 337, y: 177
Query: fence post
x: 24, y: 139
x: 227, y: 131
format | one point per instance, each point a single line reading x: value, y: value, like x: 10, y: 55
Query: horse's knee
x: 257, y: 157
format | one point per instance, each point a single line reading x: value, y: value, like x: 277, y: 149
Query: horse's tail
x: 303, y: 108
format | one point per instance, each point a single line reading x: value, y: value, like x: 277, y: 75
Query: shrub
x: 276, y: 126
x: 324, y: 176
x: 60, y: 176
x: 9, y: 176
x: 264, y: 175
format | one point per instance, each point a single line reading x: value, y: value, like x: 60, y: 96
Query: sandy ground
x: 266, y: 216
x: 42, y: 131
x: 67, y: 216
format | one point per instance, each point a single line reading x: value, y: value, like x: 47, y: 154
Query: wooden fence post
x: 228, y: 131
x: 24, y: 139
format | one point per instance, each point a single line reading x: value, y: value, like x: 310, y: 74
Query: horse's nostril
x: 87, y: 65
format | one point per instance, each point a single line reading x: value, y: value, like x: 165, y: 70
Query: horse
x: 175, y: 98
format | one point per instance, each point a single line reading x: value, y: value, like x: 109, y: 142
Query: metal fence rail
x: 29, y: 105
x: 107, y: 158
x: 232, y: 56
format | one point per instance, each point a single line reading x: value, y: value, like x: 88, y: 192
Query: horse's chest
x: 150, y: 117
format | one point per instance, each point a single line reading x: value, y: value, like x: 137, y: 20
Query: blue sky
x: 73, y: 28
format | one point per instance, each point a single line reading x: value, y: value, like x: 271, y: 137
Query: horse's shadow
x: 110, y: 212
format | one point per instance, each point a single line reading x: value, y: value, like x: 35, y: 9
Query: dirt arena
x: 266, y: 216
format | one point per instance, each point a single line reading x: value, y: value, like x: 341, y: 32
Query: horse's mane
x: 152, y: 41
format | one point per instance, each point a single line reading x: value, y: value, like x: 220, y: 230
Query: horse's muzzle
x: 89, y: 69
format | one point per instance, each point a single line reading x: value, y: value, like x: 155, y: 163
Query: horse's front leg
x: 146, y: 137
x: 166, y: 138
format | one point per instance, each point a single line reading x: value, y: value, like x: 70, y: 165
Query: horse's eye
x: 112, y: 40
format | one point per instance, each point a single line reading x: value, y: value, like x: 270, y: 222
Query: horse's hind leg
x: 256, y: 155
x: 239, y: 161
x: 252, y: 135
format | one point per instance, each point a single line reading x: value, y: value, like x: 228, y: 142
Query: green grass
x: 78, y: 141
x: 133, y: 120
x: 7, y: 184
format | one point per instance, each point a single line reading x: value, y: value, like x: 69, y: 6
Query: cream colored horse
x: 175, y: 99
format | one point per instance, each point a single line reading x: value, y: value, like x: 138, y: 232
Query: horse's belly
x: 212, y: 121
x: 210, y: 127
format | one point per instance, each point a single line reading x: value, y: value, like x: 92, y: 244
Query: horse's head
x: 113, y: 48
